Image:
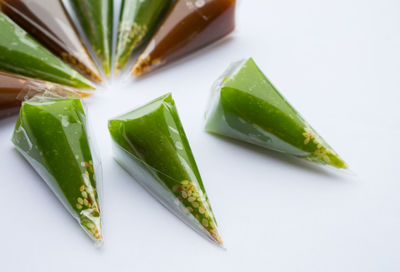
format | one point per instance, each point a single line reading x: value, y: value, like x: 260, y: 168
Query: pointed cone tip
x: 118, y: 65
x: 84, y: 94
x: 98, y: 241
x: 85, y: 84
x: 217, y: 239
x: 140, y: 67
x: 107, y: 68
x: 117, y: 70
x: 96, y: 235
x: 96, y: 78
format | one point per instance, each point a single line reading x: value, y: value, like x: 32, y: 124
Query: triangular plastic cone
x: 49, y: 24
x: 96, y: 20
x: 137, y: 21
x: 14, y: 87
x: 151, y: 145
x: 246, y: 106
x: 52, y: 136
x: 189, y: 26
x: 21, y: 54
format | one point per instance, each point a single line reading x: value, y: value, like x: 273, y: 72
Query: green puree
x: 52, y: 136
x: 96, y: 19
x: 137, y: 21
x: 151, y: 145
x: 21, y: 54
x: 246, y: 106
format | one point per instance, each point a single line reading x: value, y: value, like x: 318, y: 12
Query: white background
x: 338, y: 63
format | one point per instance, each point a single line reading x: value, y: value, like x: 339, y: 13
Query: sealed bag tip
x: 91, y: 223
x: 107, y: 71
x: 217, y: 238
x: 84, y: 94
x: 86, y: 84
x: 96, y: 78
x: 117, y: 70
x: 141, y: 67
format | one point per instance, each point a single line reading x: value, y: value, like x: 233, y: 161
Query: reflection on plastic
x: 188, y: 26
x: 48, y: 23
x: 52, y: 135
x: 151, y: 145
x: 14, y: 89
x: 246, y: 106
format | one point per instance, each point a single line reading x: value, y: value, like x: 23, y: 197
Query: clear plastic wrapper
x: 52, y: 134
x: 188, y: 26
x: 151, y: 145
x: 15, y: 88
x: 48, y: 23
x: 246, y: 106
x: 137, y: 21
x: 96, y: 20
x: 21, y: 54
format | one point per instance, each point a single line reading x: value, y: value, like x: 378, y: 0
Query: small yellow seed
x: 84, y: 194
x: 195, y: 204
x: 90, y: 226
x: 184, y: 195
x: 184, y: 182
x: 191, y: 199
x: 80, y: 200
x: 85, y: 202
x: 82, y: 188
x: 78, y: 206
x: 202, y: 210
x: 204, y: 222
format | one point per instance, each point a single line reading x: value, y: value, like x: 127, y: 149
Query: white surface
x: 338, y: 63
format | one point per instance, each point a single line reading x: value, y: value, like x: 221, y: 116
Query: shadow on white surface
x: 334, y: 175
